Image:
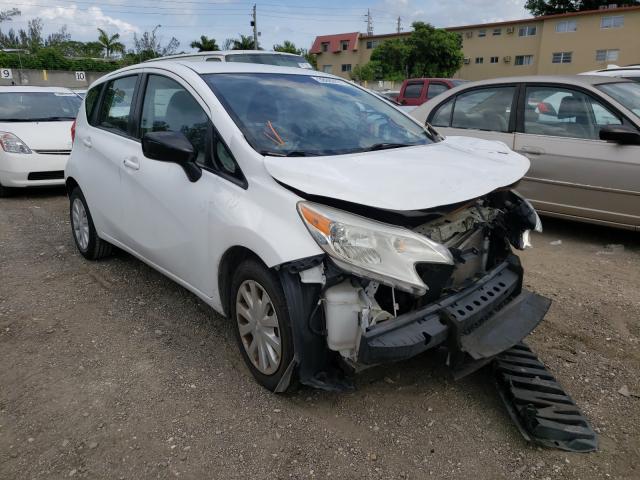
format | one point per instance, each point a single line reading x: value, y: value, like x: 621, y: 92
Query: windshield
x: 300, y: 115
x: 38, y: 106
x: 295, y: 61
x: 628, y: 94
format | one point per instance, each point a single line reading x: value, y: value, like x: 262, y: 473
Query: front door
x: 573, y: 172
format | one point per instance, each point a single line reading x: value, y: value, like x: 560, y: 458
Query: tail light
x: 73, y: 132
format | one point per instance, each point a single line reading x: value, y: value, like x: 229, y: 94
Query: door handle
x: 131, y: 163
x: 87, y: 142
x: 532, y: 150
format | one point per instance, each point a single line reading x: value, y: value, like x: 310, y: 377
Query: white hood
x: 412, y: 178
x: 41, y: 135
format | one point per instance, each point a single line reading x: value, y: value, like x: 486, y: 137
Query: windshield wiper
x: 293, y: 153
x: 386, y: 146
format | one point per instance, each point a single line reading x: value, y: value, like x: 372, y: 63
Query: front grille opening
x: 53, y: 175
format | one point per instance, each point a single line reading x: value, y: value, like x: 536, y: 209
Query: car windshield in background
x: 295, y: 61
x: 628, y: 94
x: 455, y: 83
x: 38, y: 106
x: 299, y: 115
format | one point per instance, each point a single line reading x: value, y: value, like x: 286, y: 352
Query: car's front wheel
x: 261, y: 320
x: 5, y: 192
x: 85, y: 236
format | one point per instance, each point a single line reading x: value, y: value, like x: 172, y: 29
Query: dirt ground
x: 110, y: 370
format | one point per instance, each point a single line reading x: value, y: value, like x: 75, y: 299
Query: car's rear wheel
x: 85, y: 236
x: 261, y: 321
x: 5, y: 192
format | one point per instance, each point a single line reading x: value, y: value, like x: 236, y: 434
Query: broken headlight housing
x: 371, y: 249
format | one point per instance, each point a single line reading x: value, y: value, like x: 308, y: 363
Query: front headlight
x: 371, y: 249
x: 12, y: 144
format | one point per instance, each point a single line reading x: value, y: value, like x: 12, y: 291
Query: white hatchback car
x: 35, y: 135
x: 332, y: 229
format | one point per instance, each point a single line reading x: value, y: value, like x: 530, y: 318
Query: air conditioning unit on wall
x: 467, y: 61
x: 506, y: 59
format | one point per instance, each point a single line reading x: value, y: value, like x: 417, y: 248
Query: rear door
x: 573, y: 172
x: 413, y: 93
x: 483, y: 112
x: 107, y: 143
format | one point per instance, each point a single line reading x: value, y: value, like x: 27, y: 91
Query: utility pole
x: 254, y: 24
x: 369, y: 23
x: 399, y: 28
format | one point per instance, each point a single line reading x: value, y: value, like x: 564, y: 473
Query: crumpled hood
x: 413, y: 178
x: 41, y: 135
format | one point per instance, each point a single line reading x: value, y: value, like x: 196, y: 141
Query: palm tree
x: 243, y: 43
x: 205, y: 44
x: 110, y: 44
x: 287, y: 47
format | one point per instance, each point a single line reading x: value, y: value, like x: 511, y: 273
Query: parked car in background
x: 390, y: 94
x: 261, y: 57
x: 416, y: 91
x: 35, y: 135
x: 331, y: 228
x: 632, y: 72
x: 581, y: 134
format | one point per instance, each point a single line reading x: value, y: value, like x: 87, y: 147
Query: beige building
x: 554, y: 44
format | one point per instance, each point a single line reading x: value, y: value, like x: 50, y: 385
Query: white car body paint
x: 183, y: 229
x: 43, y: 136
x: 412, y: 178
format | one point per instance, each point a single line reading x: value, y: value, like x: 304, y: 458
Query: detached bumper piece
x: 539, y: 406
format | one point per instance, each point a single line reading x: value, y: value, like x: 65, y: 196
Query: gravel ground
x: 110, y: 370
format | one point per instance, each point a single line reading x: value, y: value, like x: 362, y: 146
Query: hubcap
x: 258, y: 326
x: 80, y: 224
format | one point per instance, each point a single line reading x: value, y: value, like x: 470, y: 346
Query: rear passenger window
x: 116, y: 104
x: 90, y: 102
x: 168, y: 106
x: 485, y: 109
x: 413, y: 90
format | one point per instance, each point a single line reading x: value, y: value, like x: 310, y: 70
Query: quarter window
x: 442, y: 116
x: 527, y: 31
x: 561, y: 57
x: 484, y: 109
x: 90, y: 102
x: 116, y: 104
x: 615, y: 21
x: 561, y: 112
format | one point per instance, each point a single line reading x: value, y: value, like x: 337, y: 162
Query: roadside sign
x: 81, y: 77
x: 6, y: 73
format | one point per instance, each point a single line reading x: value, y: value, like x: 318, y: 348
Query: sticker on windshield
x: 305, y: 65
x: 334, y: 81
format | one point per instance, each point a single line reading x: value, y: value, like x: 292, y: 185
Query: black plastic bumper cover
x: 487, y: 318
x: 538, y: 405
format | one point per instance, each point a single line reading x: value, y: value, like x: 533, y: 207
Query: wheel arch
x: 229, y: 261
x: 71, y: 184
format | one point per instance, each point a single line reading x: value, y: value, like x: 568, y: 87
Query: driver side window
x: 168, y: 106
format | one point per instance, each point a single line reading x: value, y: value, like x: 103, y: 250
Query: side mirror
x: 620, y: 134
x: 172, y: 147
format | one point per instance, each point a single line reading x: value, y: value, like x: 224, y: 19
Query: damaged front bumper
x: 479, y: 322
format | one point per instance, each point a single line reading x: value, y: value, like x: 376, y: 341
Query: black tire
x: 254, y: 270
x: 96, y: 248
x: 5, y: 192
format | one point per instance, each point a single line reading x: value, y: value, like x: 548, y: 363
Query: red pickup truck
x: 416, y: 91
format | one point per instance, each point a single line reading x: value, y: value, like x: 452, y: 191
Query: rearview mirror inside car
x: 172, y: 147
x: 620, y: 134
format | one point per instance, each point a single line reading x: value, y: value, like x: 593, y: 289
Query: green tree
x: 552, y: 7
x: 205, y: 44
x: 149, y: 45
x: 110, y: 44
x: 243, y: 43
x: 366, y: 72
x: 287, y: 47
x: 312, y: 58
x: 392, y: 58
x: 433, y: 52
